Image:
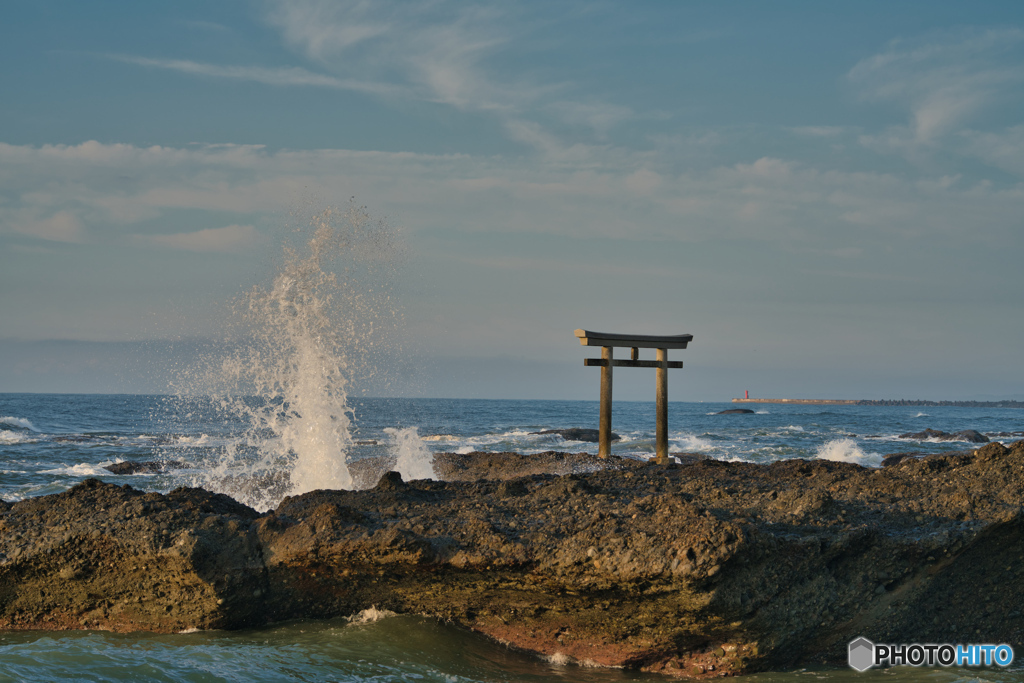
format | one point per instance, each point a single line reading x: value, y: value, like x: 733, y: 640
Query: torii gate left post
x: 607, y: 361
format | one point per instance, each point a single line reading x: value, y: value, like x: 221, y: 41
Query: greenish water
x: 393, y: 649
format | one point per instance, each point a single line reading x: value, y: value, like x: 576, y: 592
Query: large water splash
x: 304, y: 338
x: 413, y: 460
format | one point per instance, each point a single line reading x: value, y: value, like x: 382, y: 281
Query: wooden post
x: 604, y: 448
x: 661, y: 408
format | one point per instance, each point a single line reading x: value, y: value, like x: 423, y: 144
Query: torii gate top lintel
x: 636, y: 341
x: 608, y: 342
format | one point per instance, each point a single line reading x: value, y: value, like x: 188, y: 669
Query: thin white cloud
x: 81, y: 192
x: 59, y: 226
x: 1001, y: 149
x: 437, y: 49
x: 942, y: 80
x: 281, y: 76
x: 230, y: 238
x: 442, y: 52
x: 326, y: 29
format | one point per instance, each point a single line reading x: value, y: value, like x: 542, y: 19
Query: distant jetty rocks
x: 884, y: 402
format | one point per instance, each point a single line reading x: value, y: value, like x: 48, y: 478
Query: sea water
x: 49, y: 443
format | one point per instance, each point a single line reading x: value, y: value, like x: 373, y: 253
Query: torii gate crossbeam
x: 607, y: 361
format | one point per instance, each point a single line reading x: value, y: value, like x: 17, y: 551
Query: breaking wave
x: 412, y: 459
x: 301, y: 341
x: 18, y: 423
x: 847, y: 450
x: 9, y: 437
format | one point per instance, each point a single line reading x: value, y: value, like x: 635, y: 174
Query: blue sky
x: 828, y: 196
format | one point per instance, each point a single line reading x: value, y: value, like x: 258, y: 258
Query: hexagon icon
x: 862, y: 654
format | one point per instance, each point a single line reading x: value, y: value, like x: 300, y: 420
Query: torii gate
x: 606, y: 362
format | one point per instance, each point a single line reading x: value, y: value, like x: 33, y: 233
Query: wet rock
x: 508, y: 465
x: 736, y: 411
x: 897, y: 458
x: 705, y: 568
x: 578, y: 434
x: 144, y: 467
x: 688, y: 458
x: 391, y: 481
x: 971, y: 436
x: 968, y: 435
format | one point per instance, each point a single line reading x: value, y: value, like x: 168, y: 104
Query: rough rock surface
x: 136, y: 466
x: 704, y: 568
x: 968, y: 435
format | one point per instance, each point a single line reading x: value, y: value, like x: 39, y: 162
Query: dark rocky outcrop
x: 897, y: 458
x: 508, y: 465
x: 578, y: 434
x: 968, y: 435
x: 736, y: 411
x: 698, y: 569
x: 144, y: 466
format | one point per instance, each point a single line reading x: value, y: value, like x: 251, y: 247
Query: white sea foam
x: 84, y: 469
x: 201, y: 440
x: 921, y: 415
x: 370, y: 615
x: 520, y: 438
x: 560, y: 659
x: 847, y: 450
x: 414, y: 460
x: 793, y: 428
x: 897, y: 437
x: 9, y: 437
x: 438, y: 437
x: 761, y: 412
x: 691, y: 443
x: 881, y: 437
x: 19, y: 422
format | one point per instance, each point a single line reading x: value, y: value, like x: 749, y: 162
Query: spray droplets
x: 305, y: 337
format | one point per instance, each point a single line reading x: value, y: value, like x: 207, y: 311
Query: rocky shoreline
x: 698, y: 569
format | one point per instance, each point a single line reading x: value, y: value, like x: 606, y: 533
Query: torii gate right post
x: 606, y: 362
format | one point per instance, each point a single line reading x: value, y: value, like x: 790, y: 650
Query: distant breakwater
x: 885, y: 402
